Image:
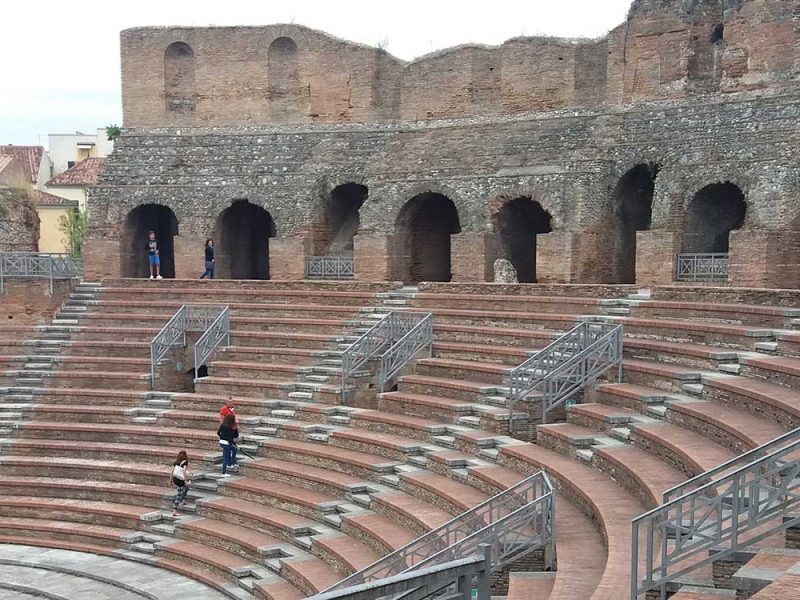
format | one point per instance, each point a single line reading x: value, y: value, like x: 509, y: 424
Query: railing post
x: 485, y: 573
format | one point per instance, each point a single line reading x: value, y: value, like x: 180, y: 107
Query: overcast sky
x: 59, y: 61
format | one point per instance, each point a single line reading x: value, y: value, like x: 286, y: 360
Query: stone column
x: 472, y: 256
x: 656, y: 253
x: 287, y: 258
x: 555, y: 257
x: 189, y: 256
x: 372, y: 254
x: 101, y: 259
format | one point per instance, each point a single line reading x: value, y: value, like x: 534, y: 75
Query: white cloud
x: 59, y: 61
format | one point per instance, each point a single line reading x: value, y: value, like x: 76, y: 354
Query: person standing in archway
x: 210, y: 263
x: 152, y: 255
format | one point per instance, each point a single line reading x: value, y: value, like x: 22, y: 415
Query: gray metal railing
x: 379, y: 338
x: 513, y: 523
x: 216, y: 335
x: 37, y: 265
x: 561, y: 369
x: 743, y: 459
x: 733, y: 510
x: 420, y: 584
x: 189, y: 317
x: 330, y: 267
x: 419, y: 338
x: 702, y: 267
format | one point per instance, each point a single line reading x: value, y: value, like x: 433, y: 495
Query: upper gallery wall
x: 666, y: 49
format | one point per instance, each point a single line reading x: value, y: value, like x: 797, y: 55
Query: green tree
x: 74, y: 225
x: 113, y: 132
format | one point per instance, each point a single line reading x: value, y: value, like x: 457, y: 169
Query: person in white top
x: 180, y: 479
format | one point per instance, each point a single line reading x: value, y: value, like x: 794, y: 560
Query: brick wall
x: 29, y: 301
x: 290, y: 73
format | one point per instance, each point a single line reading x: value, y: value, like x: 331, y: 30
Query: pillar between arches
x: 472, y: 256
x: 373, y: 255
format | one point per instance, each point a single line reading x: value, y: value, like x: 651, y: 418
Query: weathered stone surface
x: 19, y: 223
x: 504, y: 271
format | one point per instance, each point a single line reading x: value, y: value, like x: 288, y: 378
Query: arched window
x: 242, y: 240
x: 287, y: 98
x: 633, y: 202
x: 518, y: 223
x: 340, y: 220
x: 713, y: 213
x: 424, y: 227
x: 141, y: 220
x: 179, y: 85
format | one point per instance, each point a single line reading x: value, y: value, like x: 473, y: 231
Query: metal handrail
x: 701, y: 267
x: 419, y: 338
x: 385, y: 332
x: 38, y: 265
x: 528, y: 494
x: 420, y: 584
x: 567, y: 365
x: 679, y: 534
x: 330, y: 267
x: 746, y: 458
x: 189, y: 317
x: 218, y: 334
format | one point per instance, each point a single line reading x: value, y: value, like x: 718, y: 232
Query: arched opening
x: 140, y: 221
x: 286, y: 95
x: 340, y: 220
x: 424, y: 227
x: 518, y: 222
x: 242, y: 237
x: 633, y: 203
x: 179, y: 86
x: 713, y: 213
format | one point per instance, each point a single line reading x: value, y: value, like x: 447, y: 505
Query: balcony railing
x: 702, y: 267
x: 37, y: 265
x: 329, y: 267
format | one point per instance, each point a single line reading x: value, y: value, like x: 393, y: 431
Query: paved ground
x: 27, y: 573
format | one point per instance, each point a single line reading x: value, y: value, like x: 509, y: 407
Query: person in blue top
x: 152, y: 256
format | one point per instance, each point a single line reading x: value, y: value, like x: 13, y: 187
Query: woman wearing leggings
x: 180, y: 479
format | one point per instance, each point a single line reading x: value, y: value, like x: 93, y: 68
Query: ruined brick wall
x: 698, y: 93
x: 19, y: 222
x: 666, y: 49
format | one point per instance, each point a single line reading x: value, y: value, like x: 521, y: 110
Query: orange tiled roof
x: 84, y: 173
x: 44, y: 199
x: 30, y: 157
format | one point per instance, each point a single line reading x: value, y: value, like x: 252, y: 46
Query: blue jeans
x: 209, y: 270
x: 228, y: 456
x: 153, y: 259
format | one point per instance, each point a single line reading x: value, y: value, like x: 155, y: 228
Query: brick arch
x: 498, y: 199
x: 402, y: 196
x: 423, y: 229
x: 297, y: 34
x: 138, y: 221
x: 713, y: 212
x: 337, y: 216
x: 517, y: 217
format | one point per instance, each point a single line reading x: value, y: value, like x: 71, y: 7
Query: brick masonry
x: 29, y: 301
x: 284, y: 115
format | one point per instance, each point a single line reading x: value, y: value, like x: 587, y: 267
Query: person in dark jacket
x: 210, y: 262
x: 227, y: 434
x: 153, y: 257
